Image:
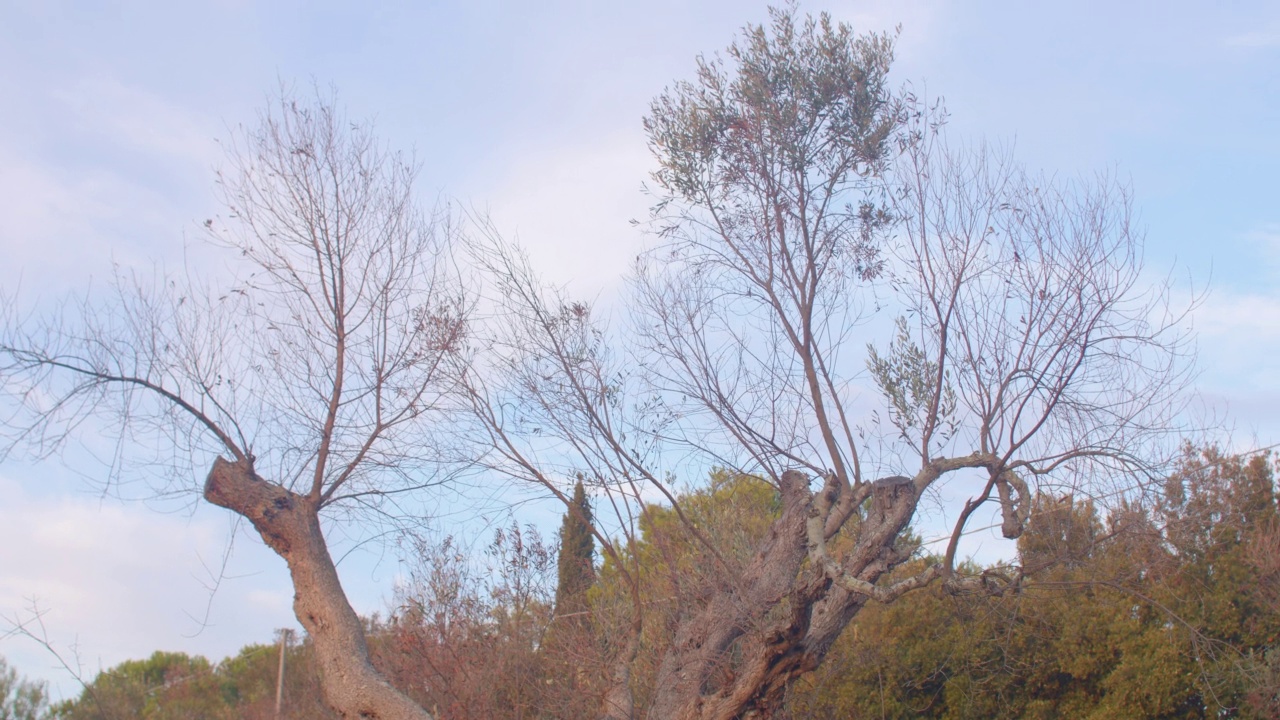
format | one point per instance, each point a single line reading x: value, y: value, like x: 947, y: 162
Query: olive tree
x: 797, y: 202
x: 307, y: 382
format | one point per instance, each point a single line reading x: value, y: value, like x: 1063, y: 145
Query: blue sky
x: 532, y: 111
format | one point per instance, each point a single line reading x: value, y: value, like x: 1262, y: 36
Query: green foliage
x: 1220, y: 515
x: 576, y: 563
x: 1160, y: 611
x: 176, y: 686
x: 776, y: 147
x: 1153, y: 612
x: 163, y: 686
x: 733, y: 510
x: 908, y: 379
x: 675, y: 570
x: 814, y: 94
x: 21, y: 699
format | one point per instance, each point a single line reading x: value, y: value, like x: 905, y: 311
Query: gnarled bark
x: 777, y: 651
x: 290, y: 525
x: 736, y: 612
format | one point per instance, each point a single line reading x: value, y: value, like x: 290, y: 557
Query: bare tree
x: 796, y: 198
x: 308, y: 380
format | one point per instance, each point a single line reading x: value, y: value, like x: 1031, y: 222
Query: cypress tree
x: 577, y: 555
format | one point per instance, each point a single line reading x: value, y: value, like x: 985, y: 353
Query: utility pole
x: 284, y: 644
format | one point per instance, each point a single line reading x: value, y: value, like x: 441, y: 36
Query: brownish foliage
x: 473, y: 640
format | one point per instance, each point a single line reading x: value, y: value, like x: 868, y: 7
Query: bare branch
x: 318, y: 368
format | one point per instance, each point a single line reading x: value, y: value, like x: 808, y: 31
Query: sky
x: 532, y: 113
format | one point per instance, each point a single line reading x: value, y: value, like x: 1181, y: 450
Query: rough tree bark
x: 290, y: 525
x: 701, y: 642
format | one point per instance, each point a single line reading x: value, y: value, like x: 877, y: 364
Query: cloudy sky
x: 531, y: 111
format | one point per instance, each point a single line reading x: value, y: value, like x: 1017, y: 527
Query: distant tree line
x: 1168, y: 608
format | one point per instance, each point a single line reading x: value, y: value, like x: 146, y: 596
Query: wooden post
x: 284, y: 644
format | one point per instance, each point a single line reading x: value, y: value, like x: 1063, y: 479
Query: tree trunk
x: 697, y: 682
x: 290, y: 525
x: 693, y: 680
x: 619, y: 700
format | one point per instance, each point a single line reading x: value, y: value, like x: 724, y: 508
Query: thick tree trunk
x: 686, y: 686
x: 821, y: 610
x: 289, y: 523
x: 696, y: 682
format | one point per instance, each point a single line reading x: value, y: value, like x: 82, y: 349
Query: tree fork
x: 823, y: 605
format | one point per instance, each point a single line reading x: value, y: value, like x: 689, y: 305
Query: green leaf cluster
x: 21, y: 699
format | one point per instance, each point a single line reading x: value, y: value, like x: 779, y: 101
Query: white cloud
x: 570, y: 207
x: 95, y: 171
x: 60, y: 226
x: 1249, y: 318
x: 1239, y: 341
x: 131, y: 117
